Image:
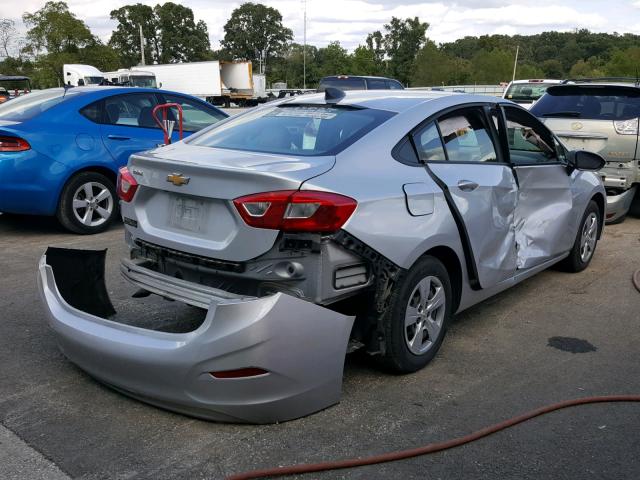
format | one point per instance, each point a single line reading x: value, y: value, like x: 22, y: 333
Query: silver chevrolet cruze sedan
x: 316, y: 226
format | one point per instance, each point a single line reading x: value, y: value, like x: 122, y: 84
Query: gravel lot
x: 497, y: 361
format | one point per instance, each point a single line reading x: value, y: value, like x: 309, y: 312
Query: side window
x: 130, y: 110
x: 529, y: 141
x: 394, y: 85
x: 376, y: 84
x: 195, y: 116
x: 93, y: 112
x: 467, y: 137
x: 429, y: 144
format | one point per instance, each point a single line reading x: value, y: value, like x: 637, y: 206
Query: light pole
x: 304, y: 48
x: 515, y: 63
x: 141, y: 46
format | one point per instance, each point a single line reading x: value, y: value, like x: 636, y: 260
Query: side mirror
x: 584, y: 160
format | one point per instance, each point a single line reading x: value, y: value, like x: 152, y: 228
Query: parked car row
x: 300, y: 228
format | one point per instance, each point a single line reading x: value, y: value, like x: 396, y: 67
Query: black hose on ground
x: 432, y: 447
x: 636, y: 279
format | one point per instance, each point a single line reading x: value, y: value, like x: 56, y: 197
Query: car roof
x: 357, y: 76
x: 595, y: 84
x: 537, y: 80
x: 390, y: 100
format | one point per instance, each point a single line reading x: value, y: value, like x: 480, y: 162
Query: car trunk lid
x: 185, y: 197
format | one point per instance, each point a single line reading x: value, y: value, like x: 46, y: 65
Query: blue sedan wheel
x: 88, y: 203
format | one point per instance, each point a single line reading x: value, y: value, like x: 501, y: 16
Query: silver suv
x: 600, y: 115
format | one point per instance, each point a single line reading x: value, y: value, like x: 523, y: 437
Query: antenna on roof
x: 333, y: 95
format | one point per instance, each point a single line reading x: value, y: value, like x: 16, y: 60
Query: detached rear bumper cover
x: 300, y: 344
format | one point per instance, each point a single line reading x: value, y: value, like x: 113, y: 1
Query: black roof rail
x: 634, y: 80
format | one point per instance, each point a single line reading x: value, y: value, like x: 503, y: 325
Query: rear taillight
x: 626, y: 127
x: 127, y: 185
x: 296, y: 211
x: 13, y: 144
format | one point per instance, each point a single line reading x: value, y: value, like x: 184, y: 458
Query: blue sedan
x: 60, y: 149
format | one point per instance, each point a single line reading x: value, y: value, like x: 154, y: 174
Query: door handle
x: 118, y: 137
x: 467, y: 185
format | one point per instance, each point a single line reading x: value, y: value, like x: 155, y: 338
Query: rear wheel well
x: 600, y: 201
x: 450, y: 260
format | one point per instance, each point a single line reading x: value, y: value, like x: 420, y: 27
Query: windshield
x: 28, y: 106
x: 526, y: 92
x: 93, y: 80
x: 346, y: 83
x: 595, y: 103
x: 294, y: 129
x: 144, y: 82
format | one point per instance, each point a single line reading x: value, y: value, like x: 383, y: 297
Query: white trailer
x: 78, y: 75
x: 217, y: 82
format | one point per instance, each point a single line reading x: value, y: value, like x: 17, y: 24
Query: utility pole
x: 304, y: 48
x: 141, y: 47
x: 515, y: 64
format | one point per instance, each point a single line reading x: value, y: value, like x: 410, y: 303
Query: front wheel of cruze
x: 88, y: 203
x: 418, y: 316
x: 586, y: 240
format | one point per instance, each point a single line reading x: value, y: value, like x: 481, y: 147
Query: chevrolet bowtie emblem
x: 177, y: 179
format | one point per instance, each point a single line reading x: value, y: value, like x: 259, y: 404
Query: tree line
x: 400, y: 49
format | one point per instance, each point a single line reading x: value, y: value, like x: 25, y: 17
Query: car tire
x: 414, y: 326
x: 88, y: 203
x: 586, y: 240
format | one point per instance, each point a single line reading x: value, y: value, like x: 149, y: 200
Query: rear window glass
x: 595, y: 103
x: 526, y: 92
x: 28, y: 106
x: 348, y: 83
x: 293, y: 129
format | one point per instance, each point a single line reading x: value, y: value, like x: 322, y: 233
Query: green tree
x: 526, y: 71
x: 363, y: 62
x: 170, y: 31
x: 375, y: 43
x: 181, y: 39
x: 55, y: 29
x: 552, y: 68
x: 435, y: 67
x: 625, y: 63
x: 402, y: 41
x: 586, y: 68
x: 255, y: 32
x: 493, y: 66
x: 125, y: 39
x: 288, y: 67
x: 55, y: 37
x: 333, y: 60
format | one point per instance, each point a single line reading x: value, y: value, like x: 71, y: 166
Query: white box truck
x: 220, y: 83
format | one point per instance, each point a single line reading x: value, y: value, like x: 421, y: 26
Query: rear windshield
x: 347, y: 83
x: 526, y: 92
x: 28, y: 106
x: 293, y: 129
x: 594, y: 103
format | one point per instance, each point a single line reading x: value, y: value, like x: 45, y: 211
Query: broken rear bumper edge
x: 618, y: 205
x: 300, y: 344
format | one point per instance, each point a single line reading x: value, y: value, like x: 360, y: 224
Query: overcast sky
x: 349, y: 21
